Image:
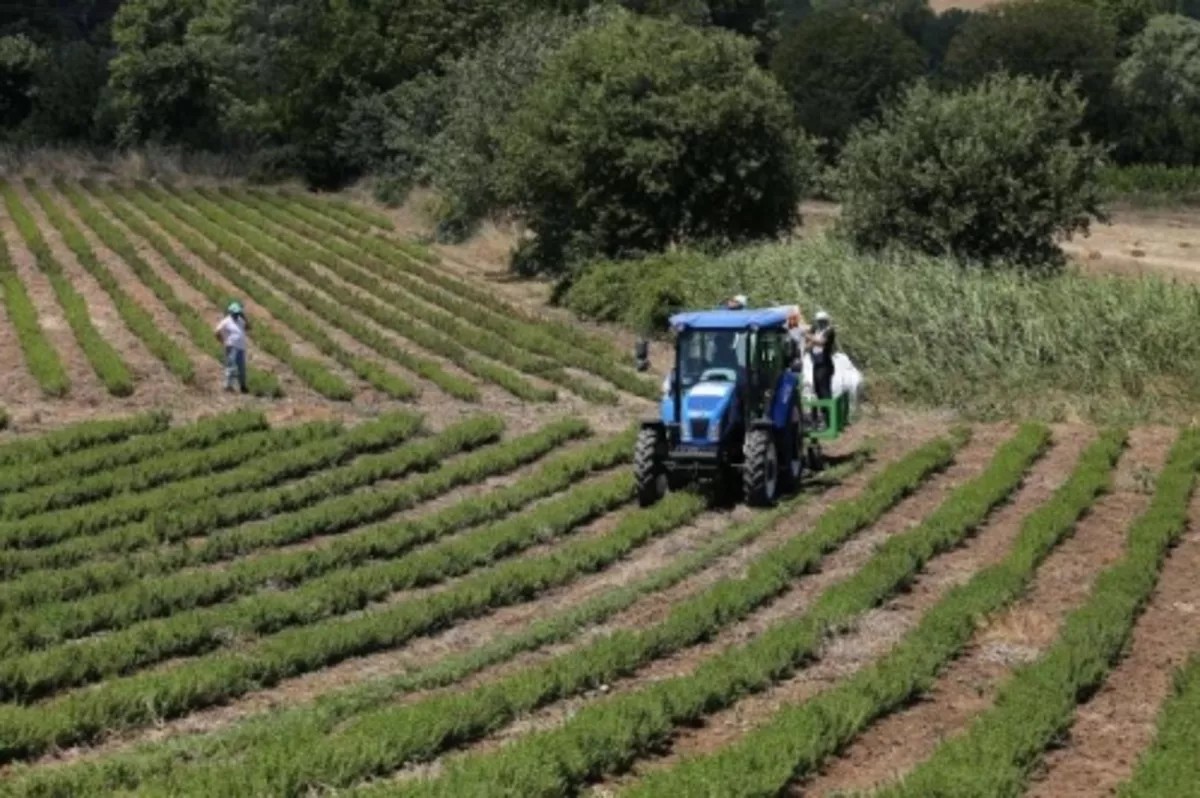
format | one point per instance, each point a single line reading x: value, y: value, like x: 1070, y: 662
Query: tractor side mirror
x: 641, y: 355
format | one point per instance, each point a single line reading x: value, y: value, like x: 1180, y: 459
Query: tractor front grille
x: 699, y: 429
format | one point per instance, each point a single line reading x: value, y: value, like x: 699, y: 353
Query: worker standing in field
x: 231, y: 332
x: 822, y: 343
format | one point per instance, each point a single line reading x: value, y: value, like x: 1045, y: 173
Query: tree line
x: 622, y: 128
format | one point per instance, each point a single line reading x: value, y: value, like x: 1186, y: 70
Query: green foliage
x: 987, y: 173
x: 642, y: 132
x: 85, y: 436
x: 1048, y: 39
x: 604, y: 736
x: 1036, y: 706
x: 839, y: 68
x: 1171, y: 766
x: 1159, y: 86
x: 1152, y: 184
x: 20, y: 59
x: 795, y: 741
x: 641, y: 294
x: 103, y: 357
x: 68, y: 94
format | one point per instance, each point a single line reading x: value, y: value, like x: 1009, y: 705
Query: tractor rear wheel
x: 649, y: 471
x: 760, y: 475
x: 791, y: 449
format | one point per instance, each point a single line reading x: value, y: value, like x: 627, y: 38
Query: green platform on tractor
x: 838, y: 411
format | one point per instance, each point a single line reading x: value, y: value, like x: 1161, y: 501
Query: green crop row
x: 165, y: 507
x: 545, y: 337
x: 122, y: 703
x: 323, y: 518
x: 371, y: 371
x: 108, y: 365
x: 44, y: 363
x: 221, y: 240
x: 357, y: 216
x: 158, y: 471
x: 314, y: 373
x: 411, y: 257
x: 198, y: 329
x: 150, y: 598
x: 27, y: 677
x: 330, y: 311
x: 196, y: 435
x: 442, y: 313
x: 383, y: 739
x: 293, y: 250
x: 606, y: 736
x: 259, y: 382
x: 203, y: 215
x: 798, y: 738
x: 301, y: 726
x: 1036, y: 705
x: 190, y: 450
x: 1171, y: 766
x: 534, y: 338
x: 86, y: 435
x: 135, y: 317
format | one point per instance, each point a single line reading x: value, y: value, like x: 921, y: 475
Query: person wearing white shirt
x: 231, y: 332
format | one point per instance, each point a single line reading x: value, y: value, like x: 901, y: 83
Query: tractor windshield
x: 710, y: 354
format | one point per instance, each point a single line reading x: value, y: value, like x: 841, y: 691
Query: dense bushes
x: 985, y: 173
x: 838, y: 67
x: 645, y: 132
x: 1159, y: 84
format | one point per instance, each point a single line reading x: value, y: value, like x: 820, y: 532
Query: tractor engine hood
x: 704, y: 409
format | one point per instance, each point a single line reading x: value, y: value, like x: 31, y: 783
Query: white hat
x: 822, y: 316
x: 740, y: 299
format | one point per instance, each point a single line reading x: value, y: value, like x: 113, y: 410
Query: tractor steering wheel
x: 718, y: 375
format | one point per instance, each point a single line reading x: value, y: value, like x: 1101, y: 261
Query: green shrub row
x: 1036, y: 706
x: 416, y: 261
x: 136, y: 318
x: 154, y: 597
x: 158, y: 471
x: 187, y: 451
x: 330, y: 311
x: 204, y: 214
x: 163, y: 506
x: 314, y: 373
x: 370, y: 371
x: 1150, y: 182
x: 197, y: 328
x: 335, y: 514
x: 288, y: 248
x: 104, y: 359
x: 798, y: 738
x: 259, y: 382
x: 42, y: 360
x: 84, y: 436
x: 195, y: 435
x: 86, y: 715
x: 606, y: 736
x: 29, y: 676
x: 302, y: 726
x: 533, y: 338
x: 377, y: 741
x: 1171, y: 766
x: 351, y: 214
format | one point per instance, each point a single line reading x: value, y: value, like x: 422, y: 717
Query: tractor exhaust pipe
x: 641, y: 355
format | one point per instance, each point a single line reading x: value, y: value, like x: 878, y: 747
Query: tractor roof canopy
x: 761, y: 318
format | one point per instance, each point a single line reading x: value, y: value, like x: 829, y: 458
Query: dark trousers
x: 823, y: 387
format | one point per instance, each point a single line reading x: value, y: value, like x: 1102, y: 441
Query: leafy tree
x: 643, y: 132
x: 20, y: 58
x: 839, y: 67
x: 1059, y: 39
x: 1159, y: 84
x: 988, y: 173
x: 68, y: 91
x: 160, y: 84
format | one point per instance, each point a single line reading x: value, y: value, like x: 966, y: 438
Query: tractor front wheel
x: 649, y: 471
x: 760, y: 475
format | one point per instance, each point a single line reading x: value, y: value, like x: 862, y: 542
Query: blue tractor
x: 731, y: 409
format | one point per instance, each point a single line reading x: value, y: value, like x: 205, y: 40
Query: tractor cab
x: 731, y: 407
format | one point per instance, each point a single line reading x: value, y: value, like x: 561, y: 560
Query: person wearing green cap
x: 231, y: 332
